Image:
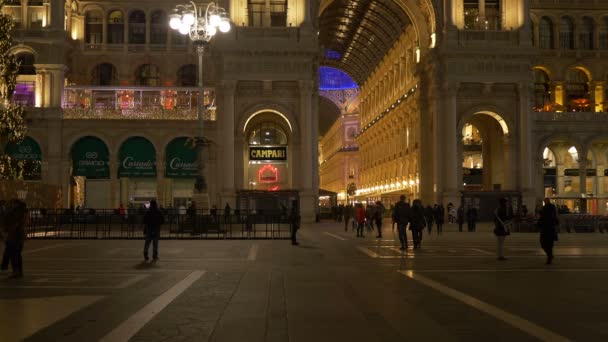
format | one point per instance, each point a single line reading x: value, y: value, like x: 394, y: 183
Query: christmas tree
x: 12, y: 117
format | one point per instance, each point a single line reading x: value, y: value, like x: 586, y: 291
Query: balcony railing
x: 566, y: 3
x: 570, y: 116
x: 149, y: 103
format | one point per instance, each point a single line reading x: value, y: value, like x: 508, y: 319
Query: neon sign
x: 268, y: 174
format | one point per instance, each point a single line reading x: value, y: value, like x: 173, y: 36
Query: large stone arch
x: 421, y: 13
x: 250, y: 112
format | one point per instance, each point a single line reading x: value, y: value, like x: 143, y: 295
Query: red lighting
x: 268, y: 174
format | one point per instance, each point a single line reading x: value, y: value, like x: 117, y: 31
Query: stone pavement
x: 333, y: 287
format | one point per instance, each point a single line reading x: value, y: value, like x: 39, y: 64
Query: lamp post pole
x: 200, y: 26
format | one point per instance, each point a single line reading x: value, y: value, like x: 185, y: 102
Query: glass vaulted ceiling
x: 357, y: 34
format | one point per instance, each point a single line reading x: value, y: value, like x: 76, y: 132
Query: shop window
x: 566, y: 33
x: 158, y: 28
x: 255, y: 11
x: 186, y: 76
x: 278, y: 13
x: 267, y: 134
x: 577, y: 91
x: 541, y: 90
x: 104, y: 75
x: 546, y: 33
x: 116, y: 27
x: 147, y: 75
x: 26, y: 62
x: 137, y: 27
x: 603, y: 33
x: 585, y: 37
x: 93, y: 27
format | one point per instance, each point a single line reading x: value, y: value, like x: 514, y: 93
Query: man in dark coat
x: 471, y: 218
x: 294, y: 222
x: 153, y: 219
x: 547, y: 222
x: 401, y: 215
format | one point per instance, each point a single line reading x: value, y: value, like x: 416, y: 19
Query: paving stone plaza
x: 333, y: 287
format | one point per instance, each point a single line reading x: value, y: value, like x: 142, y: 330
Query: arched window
x: 546, y: 33
x: 577, y: 90
x: 267, y: 133
x: 93, y: 30
x: 541, y: 89
x: 116, y: 27
x: 137, y: 27
x: 603, y: 33
x: 158, y: 28
x: 566, y: 33
x: 585, y: 37
x: 104, y: 75
x: 186, y: 76
x: 26, y: 62
x: 147, y: 75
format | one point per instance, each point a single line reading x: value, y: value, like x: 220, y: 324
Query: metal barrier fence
x: 569, y: 223
x: 111, y: 224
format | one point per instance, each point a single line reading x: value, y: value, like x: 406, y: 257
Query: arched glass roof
x: 335, y: 79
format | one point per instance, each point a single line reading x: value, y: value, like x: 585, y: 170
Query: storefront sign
x: 181, y: 159
x: 576, y: 172
x: 90, y: 158
x: 137, y: 158
x: 267, y: 153
x: 268, y: 174
x: 28, y: 151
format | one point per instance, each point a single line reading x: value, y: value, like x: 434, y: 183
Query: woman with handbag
x: 502, y: 221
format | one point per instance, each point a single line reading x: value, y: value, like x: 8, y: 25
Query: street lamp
x: 201, y: 24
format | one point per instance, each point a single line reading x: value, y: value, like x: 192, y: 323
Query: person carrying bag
x: 502, y: 227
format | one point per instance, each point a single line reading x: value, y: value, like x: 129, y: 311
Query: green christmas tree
x: 12, y: 117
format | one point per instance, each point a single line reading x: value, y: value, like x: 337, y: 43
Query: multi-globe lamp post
x: 201, y: 23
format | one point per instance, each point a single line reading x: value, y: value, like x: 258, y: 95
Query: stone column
x: 509, y: 175
x: 115, y: 199
x: 525, y: 145
x: 57, y: 15
x: 160, y: 178
x: 582, y: 166
x: 104, y: 30
x: 451, y: 166
x: 64, y: 173
x: 559, y: 179
x: 226, y: 117
x: 307, y: 200
x: 49, y: 84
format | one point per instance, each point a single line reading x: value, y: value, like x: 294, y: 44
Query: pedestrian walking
x: 502, y: 223
x: 360, y: 217
x: 401, y: 215
x: 227, y: 213
x: 460, y: 218
x: 439, y: 217
x: 153, y: 219
x: 378, y: 216
x: 294, y: 221
x: 348, y: 213
x: 472, y: 215
x: 417, y: 222
x: 547, y: 224
x: 14, y: 222
x: 429, y: 215
x: 369, y: 217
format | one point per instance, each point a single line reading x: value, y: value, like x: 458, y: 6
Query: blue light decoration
x: 332, y: 54
x: 335, y: 79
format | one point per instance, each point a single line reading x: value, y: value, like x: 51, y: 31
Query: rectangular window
x: 278, y: 13
x: 493, y: 17
x: 24, y: 94
x: 255, y: 10
x: 471, y: 14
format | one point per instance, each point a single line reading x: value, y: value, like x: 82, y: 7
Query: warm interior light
x: 225, y: 26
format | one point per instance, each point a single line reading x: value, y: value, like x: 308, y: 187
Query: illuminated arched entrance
x: 486, y: 153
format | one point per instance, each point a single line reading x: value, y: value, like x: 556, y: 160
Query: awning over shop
x: 137, y: 158
x: 90, y: 158
x: 181, y: 159
x: 27, y: 150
